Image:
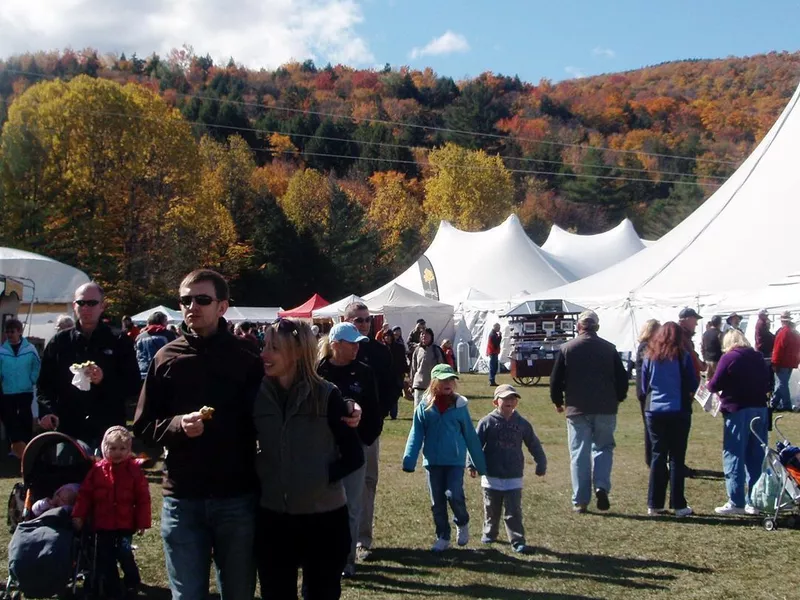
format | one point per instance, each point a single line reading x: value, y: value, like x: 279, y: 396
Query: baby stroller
x: 781, y: 478
x: 45, y: 557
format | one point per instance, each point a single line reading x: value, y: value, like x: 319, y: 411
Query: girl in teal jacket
x: 443, y: 430
x: 19, y: 371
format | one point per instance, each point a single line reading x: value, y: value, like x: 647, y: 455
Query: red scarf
x: 442, y: 403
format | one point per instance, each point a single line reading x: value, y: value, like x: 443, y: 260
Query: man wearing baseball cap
x: 765, y: 339
x: 687, y: 319
x: 590, y: 380
x: 785, y: 358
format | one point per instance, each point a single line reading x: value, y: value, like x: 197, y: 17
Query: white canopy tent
x: 336, y: 310
x: 501, y: 262
x: 55, y: 281
x: 728, y: 248
x: 254, y: 314
x: 401, y: 307
x: 173, y: 316
x: 584, y: 255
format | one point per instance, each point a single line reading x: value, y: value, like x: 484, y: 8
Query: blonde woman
x: 743, y: 381
x: 649, y: 329
x: 306, y: 447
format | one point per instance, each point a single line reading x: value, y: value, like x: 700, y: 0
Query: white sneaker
x: 463, y: 535
x: 684, y: 512
x: 729, y: 509
x: 751, y: 510
x: 655, y: 512
x: 440, y: 545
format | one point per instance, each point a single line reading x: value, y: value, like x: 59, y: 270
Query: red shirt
x: 114, y: 497
x: 786, y: 352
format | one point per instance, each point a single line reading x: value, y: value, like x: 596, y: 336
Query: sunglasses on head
x: 286, y: 327
x: 362, y: 319
x: 87, y: 302
x: 201, y: 299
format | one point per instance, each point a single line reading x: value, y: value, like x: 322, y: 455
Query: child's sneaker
x: 485, y: 539
x: 684, y: 512
x: 729, y: 508
x: 440, y: 545
x: 463, y: 535
x: 519, y: 547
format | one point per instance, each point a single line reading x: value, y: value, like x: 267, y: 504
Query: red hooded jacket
x: 786, y: 351
x: 114, y: 497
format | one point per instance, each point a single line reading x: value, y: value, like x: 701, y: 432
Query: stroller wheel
x: 769, y: 524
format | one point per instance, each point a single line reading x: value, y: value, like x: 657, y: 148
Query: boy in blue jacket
x: 502, y: 433
x: 443, y: 429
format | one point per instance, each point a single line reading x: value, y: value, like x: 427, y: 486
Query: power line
x: 416, y: 126
x: 385, y: 144
x: 412, y: 162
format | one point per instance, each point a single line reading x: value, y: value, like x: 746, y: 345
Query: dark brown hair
x: 220, y: 285
x: 667, y: 343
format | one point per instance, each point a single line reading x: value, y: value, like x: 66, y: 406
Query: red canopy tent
x: 306, y: 308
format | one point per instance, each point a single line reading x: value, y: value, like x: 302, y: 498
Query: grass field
x: 619, y: 554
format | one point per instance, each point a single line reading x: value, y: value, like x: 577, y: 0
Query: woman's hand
x: 354, y: 414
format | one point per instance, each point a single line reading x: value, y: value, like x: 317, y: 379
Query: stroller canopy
x: 53, y: 459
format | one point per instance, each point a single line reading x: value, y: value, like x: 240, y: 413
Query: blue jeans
x: 494, y: 365
x: 742, y: 452
x: 591, y: 449
x: 781, y: 398
x: 193, y: 528
x: 446, y: 484
x: 669, y: 435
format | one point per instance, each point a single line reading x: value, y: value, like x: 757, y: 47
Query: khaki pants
x: 712, y: 368
x: 371, y: 454
x: 494, y: 501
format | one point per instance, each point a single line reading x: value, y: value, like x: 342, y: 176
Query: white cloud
x: 447, y: 43
x: 257, y: 33
x: 576, y: 72
x: 604, y: 52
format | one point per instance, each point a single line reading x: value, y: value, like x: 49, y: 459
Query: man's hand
x: 559, y: 408
x: 95, y: 374
x: 354, y: 417
x: 192, y: 424
x: 473, y: 473
x: 77, y: 523
x: 49, y: 422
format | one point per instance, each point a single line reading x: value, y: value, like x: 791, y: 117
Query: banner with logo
x: 428, y: 275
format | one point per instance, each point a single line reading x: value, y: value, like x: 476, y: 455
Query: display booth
x: 538, y: 329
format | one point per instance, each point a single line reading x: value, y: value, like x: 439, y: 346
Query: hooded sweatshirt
x: 19, y: 370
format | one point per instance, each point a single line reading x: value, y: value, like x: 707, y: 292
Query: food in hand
x: 84, y: 365
x: 206, y: 413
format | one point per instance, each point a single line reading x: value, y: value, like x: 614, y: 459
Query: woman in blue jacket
x: 443, y: 429
x: 19, y: 371
x: 667, y: 388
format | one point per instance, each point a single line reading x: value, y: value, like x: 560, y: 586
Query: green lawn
x: 620, y: 554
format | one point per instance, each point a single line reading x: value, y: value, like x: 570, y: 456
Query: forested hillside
x: 332, y: 179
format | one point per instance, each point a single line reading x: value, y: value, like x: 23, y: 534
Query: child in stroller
x: 45, y: 558
x: 114, y: 499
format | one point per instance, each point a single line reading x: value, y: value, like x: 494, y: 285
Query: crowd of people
x: 272, y: 434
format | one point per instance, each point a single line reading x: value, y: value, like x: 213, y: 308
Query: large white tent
x: 731, y: 247
x: 584, y: 255
x: 55, y: 282
x: 336, y: 310
x: 401, y: 307
x: 501, y: 262
x: 173, y: 316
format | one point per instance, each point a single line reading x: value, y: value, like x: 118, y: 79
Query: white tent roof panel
x: 55, y: 282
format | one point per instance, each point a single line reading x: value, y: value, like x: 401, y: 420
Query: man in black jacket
x: 377, y: 356
x: 114, y: 376
x: 209, y: 479
x: 589, y: 377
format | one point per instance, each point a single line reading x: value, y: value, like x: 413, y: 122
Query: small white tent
x: 336, y: 310
x: 254, y: 314
x: 401, y: 307
x: 731, y: 246
x: 584, y: 255
x: 173, y: 316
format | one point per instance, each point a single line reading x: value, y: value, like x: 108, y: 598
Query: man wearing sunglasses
x: 377, y: 356
x: 210, y: 480
x: 114, y: 377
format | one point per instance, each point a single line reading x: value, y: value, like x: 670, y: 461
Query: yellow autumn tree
x: 396, y: 214
x: 469, y: 188
x: 307, y: 202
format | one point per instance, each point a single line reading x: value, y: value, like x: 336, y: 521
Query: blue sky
x: 558, y: 40
x: 458, y: 38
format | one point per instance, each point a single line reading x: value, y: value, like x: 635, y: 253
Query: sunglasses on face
x: 91, y: 303
x: 200, y: 299
x: 362, y: 319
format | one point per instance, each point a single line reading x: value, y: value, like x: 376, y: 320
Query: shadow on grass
x: 417, y: 565
x: 693, y: 520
